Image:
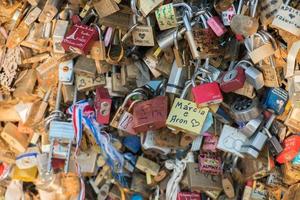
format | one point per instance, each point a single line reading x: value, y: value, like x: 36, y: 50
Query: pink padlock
x: 215, y: 24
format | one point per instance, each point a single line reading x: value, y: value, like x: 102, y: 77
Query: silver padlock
x: 244, y: 109
x: 177, y: 79
x: 253, y: 75
x: 252, y: 126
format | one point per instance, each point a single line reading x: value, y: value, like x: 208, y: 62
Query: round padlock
x: 245, y: 109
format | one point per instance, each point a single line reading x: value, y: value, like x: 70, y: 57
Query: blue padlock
x: 133, y: 143
x: 136, y: 197
x: 276, y: 100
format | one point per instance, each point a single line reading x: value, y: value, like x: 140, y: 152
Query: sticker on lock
x: 185, y: 116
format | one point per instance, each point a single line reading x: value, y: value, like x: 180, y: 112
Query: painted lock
x: 150, y: 114
x: 206, y: 93
x: 233, y: 80
x: 79, y: 38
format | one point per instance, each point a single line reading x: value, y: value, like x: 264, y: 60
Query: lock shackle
x: 127, y: 98
x: 206, y: 79
x: 134, y: 8
x: 203, y: 21
x: 132, y: 105
x: 241, y: 62
x: 161, y: 90
x: 187, y: 9
x: 287, y: 2
x: 188, y: 84
x: 253, y: 7
x: 175, y: 38
x: 98, y: 30
x: 269, y: 37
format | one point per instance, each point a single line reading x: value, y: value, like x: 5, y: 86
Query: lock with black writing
x: 276, y: 100
x: 185, y: 116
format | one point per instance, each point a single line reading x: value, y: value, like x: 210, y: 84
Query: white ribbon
x: 178, y: 167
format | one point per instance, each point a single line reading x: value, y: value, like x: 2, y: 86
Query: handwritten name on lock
x: 186, y: 116
x: 288, y: 19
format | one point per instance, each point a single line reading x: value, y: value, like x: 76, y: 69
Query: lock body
x: 255, y: 144
x: 207, y: 94
x: 276, y: 100
x: 210, y: 163
x: 255, y: 77
x: 244, y: 109
x: 66, y: 72
x: 188, y: 195
x: 79, y: 39
x: 150, y: 114
x: 233, y: 80
x: 216, y: 25
x: 58, y: 35
x: 103, y: 104
x: 177, y: 79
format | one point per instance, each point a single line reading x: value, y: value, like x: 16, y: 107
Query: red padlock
x: 102, y: 105
x: 79, y: 38
x: 150, y: 114
x: 206, y: 93
x: 233, y: 80
x: 291, y: 149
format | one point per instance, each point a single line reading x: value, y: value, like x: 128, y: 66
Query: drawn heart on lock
x: 142, y: 35
x: 195, y: 123
x: 291, y: 16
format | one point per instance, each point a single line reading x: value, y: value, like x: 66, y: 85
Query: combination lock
x: 244, y: 109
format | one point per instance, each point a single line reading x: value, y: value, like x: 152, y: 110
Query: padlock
x: 116, y: 119
x: 210, y: 143
x: 85, y: 66
x: 25, y: 84
x: 102, y: 105
x: 188, y: 196
x: 50, y: 10
x: 58, y: 35
x: 126, y: 123
x: 85, y: 83
x: 149, y: 167
x: 177, y: 78
x: 98, y: 51
x: 145, y: 7
x: 16, y: 141
x: 79, y: 38
x: 148, y: 143
x: 215, y: 24
x: 252, y: 126
x: 231, y: 140
x: 150, y: 114
x: 185, y: 116
x: 206, y: 93
x: 100, y: 178
x: 233, y: 79
x: 253, y: 75
x: 210, y: 163
x: 276, y: 100
x: 105, y: 7
x: 66, y: 72
x: 290, y: 149
x: 165, y: 138
x: 244, y: 109
x: 284, y: 21
x: 199, y: 181
x: 143, y: 35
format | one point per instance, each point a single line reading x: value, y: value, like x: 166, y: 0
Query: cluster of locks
x: 149, y: 99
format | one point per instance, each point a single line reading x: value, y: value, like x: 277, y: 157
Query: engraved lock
x: 233, y: 80
x: 79, y: 38
x: 276, y: 100
x: 287, y: 19
x: 102, y: 104
x: 50, y: 10
x: 188, y: 195
x: 206, y: 93
x: 231, y: 140
x: 143, y: 35
x: 244, y: 109
x: 185, y: 116
x: 215, y: 24
x: 105, y: 8
x: 58, y: 35
x: 66, y: 72
x: 85, y: 83
x: 116, y: 119
x: 150, y: 114
x: 126, y: 123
